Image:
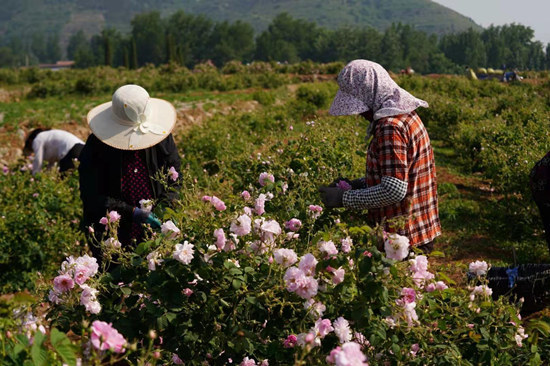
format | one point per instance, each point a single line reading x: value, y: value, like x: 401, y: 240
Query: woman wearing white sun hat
x: 131, y: 141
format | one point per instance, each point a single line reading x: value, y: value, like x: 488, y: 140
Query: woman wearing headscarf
x: 400, y: 180
x: 131, y: 142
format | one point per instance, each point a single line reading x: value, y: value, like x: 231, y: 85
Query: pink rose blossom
x: 328, y: 247
x: 105, y: 337
x: 396, y: 247
x: 430, y: 287
x: 343, y: 185
x: 153, y: 260
x: 408, y: 295
x: 285, y: 257
x: 479, y: 268
x: 338, y: 276
x: 409, y: 313
x: 440, y: 285
x: 414, y: 349
x: 88, y: 298
x: 315, y: 211
x: 346, y: 244
x: 322, y: 327
x: 170, y: 229
x: 316, y: 308
x: 342, y: 330
x: 188, y: 292
x: 265, y: 177
x: 290, y: 341
x: 183, y: 252
x: 104, y: 221
x: 91, y: 229
x: 113, y: 243
x: 81, y: 274
x: 245, y: 195
x: 241, y: 226
x: 176, y: 359
x: 218, y: 203
x: 294, y: 278
x: 219, y: 235
x: 206, y: 198
x: 63, y: 283
x: 307, y: 264
x: 173, y: 173
x: 331, y: 357
x: 350, y: 355
x: 293, y: 224
x: 259, y: 204
x: 267, y: 229
x: 308, y: 288
x: 113, y: 216
x: 248, y: 362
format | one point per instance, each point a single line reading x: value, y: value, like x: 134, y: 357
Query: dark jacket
x: 100, y: 173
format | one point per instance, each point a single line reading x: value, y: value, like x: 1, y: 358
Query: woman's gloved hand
x: 144, y: 217
x: 332, y: 196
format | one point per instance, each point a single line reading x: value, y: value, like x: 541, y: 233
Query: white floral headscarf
x: 365, y: 85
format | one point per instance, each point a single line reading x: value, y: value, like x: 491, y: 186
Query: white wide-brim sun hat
x: 132, y: 120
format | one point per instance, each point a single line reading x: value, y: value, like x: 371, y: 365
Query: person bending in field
x: 131, y: 141
x: 539, y: 182
x: 400, y: 180
x: 52, y: 146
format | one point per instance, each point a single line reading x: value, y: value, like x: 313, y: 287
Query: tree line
x: 188, y: 39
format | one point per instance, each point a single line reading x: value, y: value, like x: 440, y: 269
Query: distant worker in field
x: 131, y: 142
x: 400, y: 180
x: 52, y: 146
x: 539, y: 181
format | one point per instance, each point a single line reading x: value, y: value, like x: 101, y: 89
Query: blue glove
x: 144, y: 217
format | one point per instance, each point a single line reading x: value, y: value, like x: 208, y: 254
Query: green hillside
x: 25, y: 18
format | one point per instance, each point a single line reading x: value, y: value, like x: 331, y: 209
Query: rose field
x: 248, y: 267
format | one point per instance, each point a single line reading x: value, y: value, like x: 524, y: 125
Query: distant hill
x: 65, y: 17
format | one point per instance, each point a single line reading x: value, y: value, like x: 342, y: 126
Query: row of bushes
x: 34, y: 75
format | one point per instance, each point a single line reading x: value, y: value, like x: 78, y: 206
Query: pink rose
x: 245, y: 195
x: 265, y: 177
x: 218, y: 203
x: 105, y: 337
x: 172, y: 172
x: 113, y: 216
x: 343, y: 185
x: 63, y: 283
x: 290, y: 341
x: 103, y: 221
x: 293, y: 224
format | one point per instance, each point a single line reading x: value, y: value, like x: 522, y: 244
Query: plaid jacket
x: 401, y: 148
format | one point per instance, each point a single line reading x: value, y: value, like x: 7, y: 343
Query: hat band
x: 143, y: 126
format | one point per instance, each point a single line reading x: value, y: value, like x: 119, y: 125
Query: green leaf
x: 38, y: 354
x: 126, y: 291
x: 63, y: 347
x: 236, y: 284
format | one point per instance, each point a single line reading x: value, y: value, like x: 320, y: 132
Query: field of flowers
x: 249, y: 269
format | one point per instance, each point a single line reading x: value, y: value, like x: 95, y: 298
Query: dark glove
x: 332, y: 197
x: 144, y: 217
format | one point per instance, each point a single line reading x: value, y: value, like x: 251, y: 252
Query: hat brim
x: 345, y: 104
x: 108, y: 129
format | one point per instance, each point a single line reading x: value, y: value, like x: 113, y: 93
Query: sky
x: 532, y: 13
